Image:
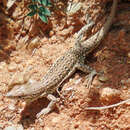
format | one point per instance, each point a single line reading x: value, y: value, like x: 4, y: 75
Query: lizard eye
x: 19, y: 96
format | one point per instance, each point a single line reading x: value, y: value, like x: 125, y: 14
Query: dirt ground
x: 27, y: 49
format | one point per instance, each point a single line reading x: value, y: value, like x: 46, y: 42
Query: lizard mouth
x: 23, y: 98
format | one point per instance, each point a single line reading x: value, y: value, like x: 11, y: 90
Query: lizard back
x: 60, y: 69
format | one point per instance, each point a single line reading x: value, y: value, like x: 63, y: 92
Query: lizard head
x: 26, y: 91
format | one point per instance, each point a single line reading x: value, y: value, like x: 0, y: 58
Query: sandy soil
x: 21, y: 56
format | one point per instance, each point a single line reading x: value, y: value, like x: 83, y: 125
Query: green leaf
x: 44, y: 2
x: 33, y: 7
x: 49, y: 3
x: 40, y: 1
x: 44, y: 11
x: 34, y: 0
x: 32, y: 13
x: 43, y: 17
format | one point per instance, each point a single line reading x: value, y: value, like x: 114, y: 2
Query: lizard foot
x: 90, y: 78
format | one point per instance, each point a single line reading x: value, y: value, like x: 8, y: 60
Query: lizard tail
x: 95, y: 40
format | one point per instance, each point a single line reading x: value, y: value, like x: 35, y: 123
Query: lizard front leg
x: 86, y: 69
x: 50, y: 106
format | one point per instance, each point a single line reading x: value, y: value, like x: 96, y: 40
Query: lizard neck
x: 95, y: 40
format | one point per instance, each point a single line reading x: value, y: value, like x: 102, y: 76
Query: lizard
x: 63, y: 68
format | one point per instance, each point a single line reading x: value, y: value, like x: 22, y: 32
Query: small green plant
x: 39, y: 7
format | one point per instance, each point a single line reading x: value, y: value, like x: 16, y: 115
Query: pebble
x: 103, y: 78
x: 11, y: 107
x: 108, y: 94
x: 20, y: 78
x: 2, y: 65
x: 1, y: 96
x: 12, y: 67
x: 127, y: 81
x: 78, y: 81
x: 128, y: 103
x: 77, y: 124
x: 128, y: 61
x: 56, y: 119
x: 23, y: 104
x: 18, y: 127
x: 32, y: 128
x: 128, y: 54
x: 124, y: 87
x: 73, y: 8
x: 10, y: 128
x: 53, y: 38
x: 2, y: 107
x: 51, y: 33
x: 123, y: 81
x: 47, y: 128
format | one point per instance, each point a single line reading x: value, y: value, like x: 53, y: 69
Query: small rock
x: 70, y: 80
x: 10, y: 3
x: 78, y: 81
x: 35, y: 43
x: 40, y: 120
x: 18, y: 60
x: 124, y: 87
x: 19, y: 79
x: 11, y: 107
x: 33, y: 128
x: 77, y: 124
x: 26, y: 23
x: 23, y: 104
x: 128, y: 61
x: 18, y: 127
x: 128, y: 54
x: 109, y: 95
x: 1, y: 96
x: 47, y: 128
x: 103, y: 78
x: 1, y: 67
x: 12, y: 67
x: 20, y: 110
x: 69, y: 89
x: 64, y: 32
x: 53, y: 38
x: 128, y: 103
x: 128, y: 81
x: 56, y: 119
x: 73, y: 8
x: 10, y: 128
x: 51, y: 33
x: 2, y: 107
x: 123, y: 81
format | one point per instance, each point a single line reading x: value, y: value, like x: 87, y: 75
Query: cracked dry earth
x: 112, y: 85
